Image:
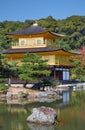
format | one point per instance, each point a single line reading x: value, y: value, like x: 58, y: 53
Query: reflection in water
x: 14, y: 101
x: 14, y: 114
x: 33, y: 126
x: 21, y: 101
x: 66, y: 97
x: 9, y: 100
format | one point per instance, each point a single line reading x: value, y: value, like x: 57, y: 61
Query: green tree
x: 48, y: 82
x: 4, y: 42
x: 3, y: 63
x: 45, y: 82
x: 11, y: 70
x: 78, y: 72
x: 80, y: 65
x: 33, y: 68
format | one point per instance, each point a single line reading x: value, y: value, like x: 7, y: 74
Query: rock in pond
x: 43, y: 115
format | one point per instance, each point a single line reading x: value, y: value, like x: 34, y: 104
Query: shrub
x: 3, y: 87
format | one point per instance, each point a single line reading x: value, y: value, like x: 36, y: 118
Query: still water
x: 13, y: 114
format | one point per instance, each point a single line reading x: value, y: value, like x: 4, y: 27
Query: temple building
x: 36, y: 39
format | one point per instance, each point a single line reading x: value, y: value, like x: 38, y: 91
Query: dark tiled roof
x: 25, y: 50
x: 33, y: 30
x: 34, y: 50
x: 30, y: 30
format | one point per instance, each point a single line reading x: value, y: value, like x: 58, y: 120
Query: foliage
x: 78, y: 72
x: 13, y: 68
x: 73, y: 27
x: 45, y: 82
x: 3, y: 64
x: 48, y: 82
x: 32, y: 68
x: 2, y: 80
x: 3, y: 60
x: 7, y: 69
x: 3, y: 87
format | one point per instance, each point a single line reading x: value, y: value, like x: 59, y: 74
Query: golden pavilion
x: 36, y: 39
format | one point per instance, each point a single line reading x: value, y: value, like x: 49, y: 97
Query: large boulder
x: 43, y: 115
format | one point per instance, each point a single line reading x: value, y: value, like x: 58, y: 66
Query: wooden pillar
x: 54, y: 72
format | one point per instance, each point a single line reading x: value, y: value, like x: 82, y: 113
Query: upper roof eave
x: 44, y: 34
x: 33, y: 30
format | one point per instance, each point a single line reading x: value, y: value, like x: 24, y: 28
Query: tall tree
x: 3, y: 64
x: 79, y: 71
x: 12, y: 70
x: 32, y: 68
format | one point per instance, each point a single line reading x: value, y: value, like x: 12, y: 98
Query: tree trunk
x: 25, y: 84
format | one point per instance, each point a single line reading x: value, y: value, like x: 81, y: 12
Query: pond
x: 13, y: 114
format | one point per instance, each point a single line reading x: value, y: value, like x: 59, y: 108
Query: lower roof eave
x: 35, y: 50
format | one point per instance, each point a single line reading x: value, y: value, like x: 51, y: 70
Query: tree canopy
x: 78, y: 72
x: 73, y: 27
x: 33, y: 68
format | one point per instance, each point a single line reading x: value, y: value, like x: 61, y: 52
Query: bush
x: 45, y: 83
x: 3, y: 87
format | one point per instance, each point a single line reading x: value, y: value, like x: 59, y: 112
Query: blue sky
x: 21, y: 10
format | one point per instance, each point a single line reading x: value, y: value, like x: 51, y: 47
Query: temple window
x: 22, y: 43
x: 38, y: 42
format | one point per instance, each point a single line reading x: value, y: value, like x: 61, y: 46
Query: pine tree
x: 33, y: 68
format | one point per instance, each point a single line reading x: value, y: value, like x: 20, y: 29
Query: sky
x: 21, y: 10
